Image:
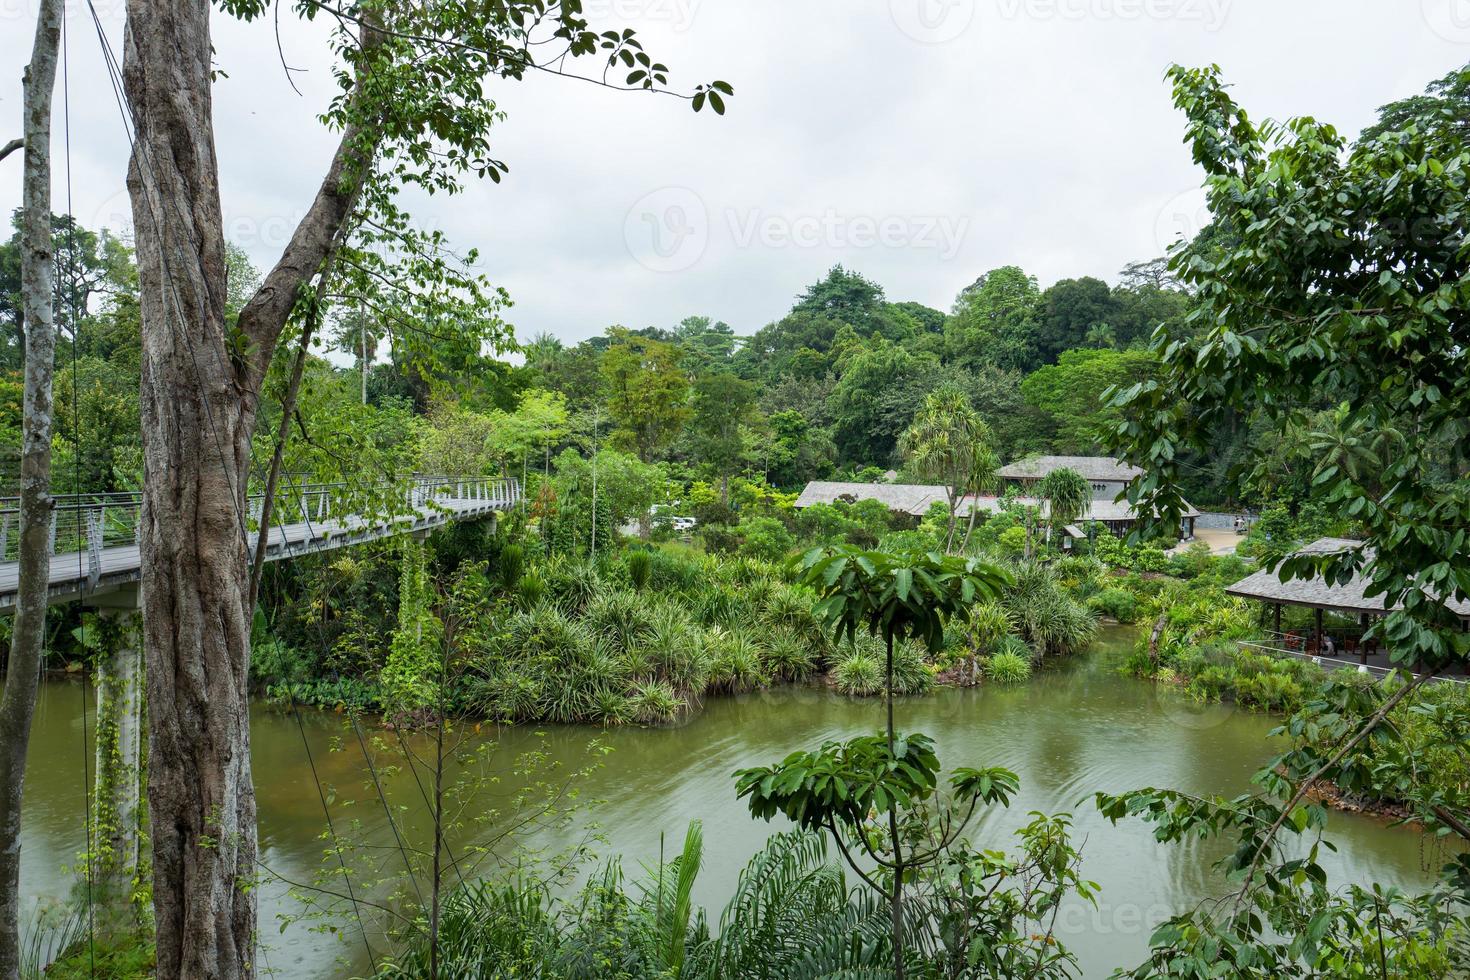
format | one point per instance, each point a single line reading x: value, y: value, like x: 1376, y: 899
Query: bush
x: 654, y: 703
x: 640, y: 569
x: 765, y: 538
x: 789, y: 657
x: 1117, y: 603
x: 1007, y: 668
x: 911, y: 674
x: 273, y: 662
x: 735, y: 662
x: 859, y: 673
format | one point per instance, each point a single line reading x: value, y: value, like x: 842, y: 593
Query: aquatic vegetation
x: 1007, y: 667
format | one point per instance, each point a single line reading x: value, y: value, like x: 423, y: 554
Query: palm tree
x: 1067, y: 494
x: 950, y: 443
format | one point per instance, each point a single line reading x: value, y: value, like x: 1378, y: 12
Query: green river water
x: 1068, y: 733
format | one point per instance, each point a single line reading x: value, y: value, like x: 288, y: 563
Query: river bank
x: 1070, y: 732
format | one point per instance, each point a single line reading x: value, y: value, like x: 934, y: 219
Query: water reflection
x: 1069, y: 733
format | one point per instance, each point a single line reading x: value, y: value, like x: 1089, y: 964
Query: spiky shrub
x: 790, y: 607
x: 611, y: 706
x: 723, y: 605
x: 677, y: 569
x: 792, y: 915
x: 509, y: 566
x: 674, y: 649
x: 640, y: 569
x: 735, y: 662
x: 619, y: 617
x: 654, y: 702
x: 577, y: 688
x: 911, y: 673
x: 572, y: 583
x: 789, y: 657
x: 1052, y: 622
x: 859, y: 672
x: 1007, y: 667
x: 530, y: 590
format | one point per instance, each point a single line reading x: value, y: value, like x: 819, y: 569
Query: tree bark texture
x: 201, y: 383
x: 119, y: 758
x: 27, y: 647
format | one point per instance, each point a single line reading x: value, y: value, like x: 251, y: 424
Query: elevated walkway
x: 95, y: 536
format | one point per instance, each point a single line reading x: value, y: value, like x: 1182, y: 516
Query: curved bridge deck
x: 95, y: 548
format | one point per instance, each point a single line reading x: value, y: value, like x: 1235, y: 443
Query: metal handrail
x: 88, y: 524
x: 1333, y: 662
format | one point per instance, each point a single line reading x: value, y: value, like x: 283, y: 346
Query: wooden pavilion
x: 1348, y: 599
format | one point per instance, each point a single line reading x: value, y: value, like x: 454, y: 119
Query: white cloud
x: 1040, y: 129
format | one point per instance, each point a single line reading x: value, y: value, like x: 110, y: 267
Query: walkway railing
x: 1332, y: 663
x: 85, y: 525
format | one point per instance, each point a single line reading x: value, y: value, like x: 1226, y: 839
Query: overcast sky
x: 920, y: 142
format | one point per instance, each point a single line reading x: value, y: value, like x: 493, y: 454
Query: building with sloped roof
x: 1109, y: 477
x: 915, y: 499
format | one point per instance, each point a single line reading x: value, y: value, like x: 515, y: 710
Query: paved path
x: 1220, y: 542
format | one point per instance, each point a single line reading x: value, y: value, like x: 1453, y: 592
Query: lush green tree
x: 846, y: 297
x: 795, y: 450
x: 623, y: 487
x: 994, y: 321
x: 573, y: 372
x: 1071, y: 391
x: 1070, y: 310
x: 540, y: 421
x: 1139, y: 309
x: 1345, y: 279
x: 647, y: 392
x: 708, y: 341
x: 722, y: 407
x: 866, y: 428
x: 1067, y: 494
x: 458, y: 442
x: 949, y: 442
x: 1445, y: 104
x: 894, y: 597
x: 927, y: 319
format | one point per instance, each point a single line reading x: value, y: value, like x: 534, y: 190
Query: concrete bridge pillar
x: 120, y: 698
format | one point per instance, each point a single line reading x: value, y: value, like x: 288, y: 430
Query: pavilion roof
x: 1265, y: 586
x: 916, y: 498
x: 1103, y: 468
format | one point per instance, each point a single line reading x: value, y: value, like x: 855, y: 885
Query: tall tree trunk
x: 119, y: 744
x: 201, y: 383
x: 38, y: 270
x: 197, y: 423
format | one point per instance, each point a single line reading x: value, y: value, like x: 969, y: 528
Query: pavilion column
x: 117, y: 800
x: 1318, y: 621
x: 1276, y: 615
x: 1364, y: 620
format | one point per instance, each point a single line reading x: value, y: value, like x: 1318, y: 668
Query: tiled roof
x: 917, y: 498
x: 1091, y: 468
x: 1267, y: 586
